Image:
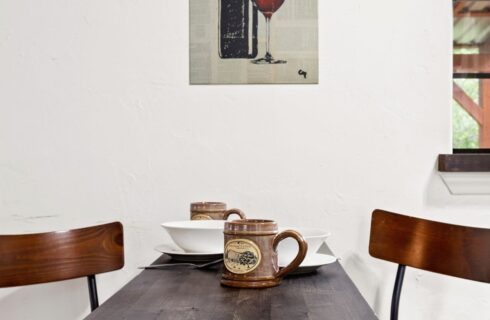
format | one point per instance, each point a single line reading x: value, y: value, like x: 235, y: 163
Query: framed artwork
x: 253, y: 41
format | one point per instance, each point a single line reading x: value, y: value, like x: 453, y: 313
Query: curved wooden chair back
x: 54, y: 256
x: 458, y: 251
x: 453, y: 250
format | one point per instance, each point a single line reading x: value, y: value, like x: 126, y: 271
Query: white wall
x: 98, y: 123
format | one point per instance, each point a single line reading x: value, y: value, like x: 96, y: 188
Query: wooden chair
x: 53, y: 256
x: 458, y: 251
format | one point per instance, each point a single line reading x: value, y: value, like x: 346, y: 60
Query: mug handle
x: 234, y: 211
x: 302, y: 246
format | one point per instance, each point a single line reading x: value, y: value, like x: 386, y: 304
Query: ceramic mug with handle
x: 213, y: 211
x: 250, y: 253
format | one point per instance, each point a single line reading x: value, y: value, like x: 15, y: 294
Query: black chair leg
x: 395, y: 299
x: 92, y: 290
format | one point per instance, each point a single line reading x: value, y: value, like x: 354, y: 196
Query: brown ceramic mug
x: 250, y: 255
x: 213, y: 211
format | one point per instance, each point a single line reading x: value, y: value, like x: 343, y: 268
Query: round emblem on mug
x: 241, y: 256
x: 201, y: 217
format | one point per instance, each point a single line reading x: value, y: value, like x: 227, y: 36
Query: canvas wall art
x: 253, y: 41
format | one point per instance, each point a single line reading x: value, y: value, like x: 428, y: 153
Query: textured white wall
x: 98, y: 123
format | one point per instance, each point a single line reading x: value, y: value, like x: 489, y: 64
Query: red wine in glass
x: 268, y: 7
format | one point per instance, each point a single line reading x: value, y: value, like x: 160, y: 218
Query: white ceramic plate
x: 313, y: 262
x: 180, y: 255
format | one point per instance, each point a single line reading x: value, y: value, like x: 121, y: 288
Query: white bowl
x: 197, y: 236
x: 288, y: 248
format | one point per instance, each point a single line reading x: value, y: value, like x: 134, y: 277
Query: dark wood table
x: 182, y: 293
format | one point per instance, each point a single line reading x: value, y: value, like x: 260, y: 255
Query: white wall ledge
x: 467, y: 183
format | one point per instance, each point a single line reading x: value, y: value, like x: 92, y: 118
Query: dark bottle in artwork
x: 237, y: 29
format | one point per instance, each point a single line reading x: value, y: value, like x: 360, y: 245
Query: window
x: 471, y: 93
x: 471, y: 75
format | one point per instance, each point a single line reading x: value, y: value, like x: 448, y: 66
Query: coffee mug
x: 250, y: 254
x: 213, y: 211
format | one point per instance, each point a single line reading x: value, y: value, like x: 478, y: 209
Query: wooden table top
x: 182, y: 293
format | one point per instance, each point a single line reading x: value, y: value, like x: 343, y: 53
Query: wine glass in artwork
x: 268, y: 7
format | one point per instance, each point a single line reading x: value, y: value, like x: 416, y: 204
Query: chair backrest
x: 53, y: 256
x: 458, y: 251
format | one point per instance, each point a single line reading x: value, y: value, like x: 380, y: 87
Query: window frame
x: 466, y: 160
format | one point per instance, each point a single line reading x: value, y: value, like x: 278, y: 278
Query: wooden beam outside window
x: 471, y: 63
x: 485, y: 107
x: 472, y: 14
x: 459, y: 6
x: 473, y: 109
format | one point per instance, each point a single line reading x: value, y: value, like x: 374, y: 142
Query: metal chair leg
x: 397, y: 290
x: 92, y: 290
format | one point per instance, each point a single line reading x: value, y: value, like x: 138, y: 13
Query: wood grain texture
x: 458, y: 251
x: 179, y: 294
x: 53, y: 256
x: 473, y: 162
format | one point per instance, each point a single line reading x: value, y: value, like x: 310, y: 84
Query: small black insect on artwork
x: 253, y: 42
x: 302, y: 73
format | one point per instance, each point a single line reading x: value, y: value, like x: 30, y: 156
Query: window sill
x: 464, y: 162
x: 466, y: 173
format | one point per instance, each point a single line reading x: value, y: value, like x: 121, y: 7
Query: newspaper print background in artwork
x: 228, y: 40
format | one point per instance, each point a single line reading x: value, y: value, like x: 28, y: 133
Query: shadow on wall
x: 62, y: 300
x: 437, y: 195
x: 366, y: 280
